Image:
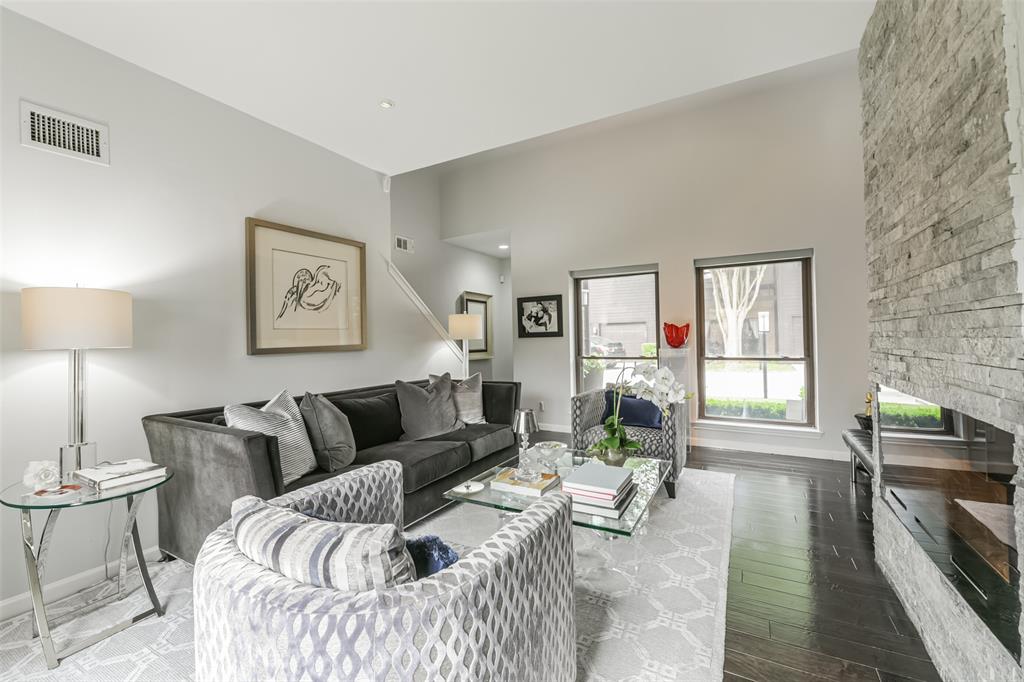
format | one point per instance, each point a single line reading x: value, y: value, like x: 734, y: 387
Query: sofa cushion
x: 280, y: 417
x: 330, y: 433
x: 423, y: 462
x: 374, y: 420
x: 352, y: 557
x: 427, y: 411
x: 316, y: 476
x: 483, y: 439
x: 468, y: 395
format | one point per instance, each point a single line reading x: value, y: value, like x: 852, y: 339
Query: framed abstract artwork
x: 539, y: 316
x: 480, y: 304
x: 305, y: 291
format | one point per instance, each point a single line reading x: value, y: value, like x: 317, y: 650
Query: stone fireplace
x: 944, y: 205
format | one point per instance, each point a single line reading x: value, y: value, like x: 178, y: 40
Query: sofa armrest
x: 586, y: 412
x: 213, y: 466
x: 369, y: 494
x: 501, y: 400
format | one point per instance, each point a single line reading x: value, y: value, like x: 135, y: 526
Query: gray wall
x: 165, y: 221
x: 941, y: 114
x: 440, y: 272
x: 770, y: 164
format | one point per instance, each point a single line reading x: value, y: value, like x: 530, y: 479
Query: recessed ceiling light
x: 502, y: 246
x: 386, y: 104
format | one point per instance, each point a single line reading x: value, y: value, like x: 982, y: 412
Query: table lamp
x: 465, y: 327
x: 524, y: 424
x: 73, y: 319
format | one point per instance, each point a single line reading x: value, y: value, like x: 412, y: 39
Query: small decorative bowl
x: 547, y: 447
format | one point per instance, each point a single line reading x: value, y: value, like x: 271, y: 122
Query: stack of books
x: 115, y: 474
x: 600, y: 490
x: 507, y: 482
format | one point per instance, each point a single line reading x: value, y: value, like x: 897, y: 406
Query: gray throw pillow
x: 469, y: 398
x: 280, y: 417
x: 427, y: 411
x: 351, y: 557
x: 330, y: 434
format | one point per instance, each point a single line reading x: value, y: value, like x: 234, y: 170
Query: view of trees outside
x: 754, y: 311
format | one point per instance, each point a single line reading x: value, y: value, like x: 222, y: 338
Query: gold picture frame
x: 305, y: 291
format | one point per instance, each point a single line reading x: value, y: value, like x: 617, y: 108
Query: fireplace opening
x: 948, y: 477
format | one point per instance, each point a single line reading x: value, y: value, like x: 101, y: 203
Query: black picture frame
x: 527, y: 304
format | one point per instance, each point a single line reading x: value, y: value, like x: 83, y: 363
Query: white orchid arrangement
x: 658, y: 385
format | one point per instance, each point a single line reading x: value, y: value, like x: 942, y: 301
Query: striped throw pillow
x: 351, y: 557
x: 280, y: 417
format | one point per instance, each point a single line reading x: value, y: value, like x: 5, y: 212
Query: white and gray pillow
x: 351, y: 557
x: 330, y: 432
x: 280, y: 417
x: 429, y: 411
x: 469, y: 398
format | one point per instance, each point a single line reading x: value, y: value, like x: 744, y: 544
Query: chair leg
x: 670, y: 488
x: 853, y: 467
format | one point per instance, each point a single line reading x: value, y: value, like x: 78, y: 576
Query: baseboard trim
x: 65, y: 587
x: 770, y: 448
x: 560, y: 428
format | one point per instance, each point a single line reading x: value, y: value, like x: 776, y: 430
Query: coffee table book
x: 116, y: 474
x: 598, y: 479
x: 607, y: 512
x: 506, y: 482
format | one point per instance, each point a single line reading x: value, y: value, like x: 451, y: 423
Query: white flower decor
x: 41, y: 475
x: 658, y: 385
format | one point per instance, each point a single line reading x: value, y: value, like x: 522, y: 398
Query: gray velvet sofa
x: 214, y: 465
x: 504, y: 612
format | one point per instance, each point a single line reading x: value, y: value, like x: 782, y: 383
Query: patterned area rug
x: 152, y: 649
x: 647, y: 608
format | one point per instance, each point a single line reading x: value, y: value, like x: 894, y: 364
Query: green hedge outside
x: 756, y: 408
x: 910, y: 416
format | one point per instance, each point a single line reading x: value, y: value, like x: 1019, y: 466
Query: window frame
x: 580, y: 332
x: 948, y: 427
x: 810, y: 394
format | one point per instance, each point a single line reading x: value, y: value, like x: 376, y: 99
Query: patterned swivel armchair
x: 667, y: 443
x: 504, y: 611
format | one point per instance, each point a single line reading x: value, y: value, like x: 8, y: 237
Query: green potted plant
x: 657, y: 385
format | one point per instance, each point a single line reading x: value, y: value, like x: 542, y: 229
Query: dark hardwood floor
x: 806, y: 600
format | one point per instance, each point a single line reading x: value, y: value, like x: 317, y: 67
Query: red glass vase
x: 676, y: 334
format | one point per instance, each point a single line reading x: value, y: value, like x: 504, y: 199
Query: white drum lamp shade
x: 63, y: 318
x: 466, y: 327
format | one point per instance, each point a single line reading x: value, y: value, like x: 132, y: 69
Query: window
x: 754, y: 341
x: 616, y: 325
x: 901, y: 412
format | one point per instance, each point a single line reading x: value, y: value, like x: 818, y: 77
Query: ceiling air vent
x: 405, y: 244
x: 61, y: 133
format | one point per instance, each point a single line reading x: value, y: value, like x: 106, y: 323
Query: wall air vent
x: 61, y: 133
x: 405, y: 244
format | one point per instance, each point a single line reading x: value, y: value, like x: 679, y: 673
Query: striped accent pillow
x: 351, y: 557
x: 280, y: 417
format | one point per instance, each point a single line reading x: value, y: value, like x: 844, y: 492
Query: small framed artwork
x: 305, y: 291
x: 480, y: 304
x: 539, y: 316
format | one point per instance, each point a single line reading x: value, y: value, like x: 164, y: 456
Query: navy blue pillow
x: 632, y: 411
x: 430, y: 554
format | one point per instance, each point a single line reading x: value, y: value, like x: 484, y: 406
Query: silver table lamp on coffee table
x: 525, y: 424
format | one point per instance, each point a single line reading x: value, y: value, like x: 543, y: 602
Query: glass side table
x: 21, y: 497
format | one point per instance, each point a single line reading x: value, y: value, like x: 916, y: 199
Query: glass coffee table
x: 649, y: 475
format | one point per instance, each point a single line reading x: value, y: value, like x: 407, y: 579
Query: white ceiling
x: 465, y: 76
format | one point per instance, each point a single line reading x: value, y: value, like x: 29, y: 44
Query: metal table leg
x: 34, y: 562
x: 33, y: 567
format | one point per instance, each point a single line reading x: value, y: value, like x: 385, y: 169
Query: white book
x: 599, y: 478
x: 599, y: 500
x: 114, y: 474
